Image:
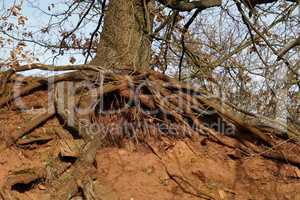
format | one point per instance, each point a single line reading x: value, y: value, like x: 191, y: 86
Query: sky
x: 34, y: 11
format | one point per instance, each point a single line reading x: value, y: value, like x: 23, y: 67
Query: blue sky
x: 34, y: 11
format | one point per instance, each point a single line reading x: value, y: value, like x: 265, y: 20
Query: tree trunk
x: 124, y: 42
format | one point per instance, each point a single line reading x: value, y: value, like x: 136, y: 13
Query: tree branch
x: 253, y: 3
x: 95, y: 31
x: 77, y: 26
x: 289, y: 46
x: 188, y: 6
x: 202, y: 4
x: 185, y: 28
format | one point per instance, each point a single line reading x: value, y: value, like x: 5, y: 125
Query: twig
x: 96, y: 30
x: 77, y: 26
x: 249, y: 24
x: 185, y: 28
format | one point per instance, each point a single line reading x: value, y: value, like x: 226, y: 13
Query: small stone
x: 297, y: 171
x: 222, y: 194
x: 149, y: 170
x: 42, y: 187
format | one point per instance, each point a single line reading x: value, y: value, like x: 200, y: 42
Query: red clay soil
x: 191, y: 168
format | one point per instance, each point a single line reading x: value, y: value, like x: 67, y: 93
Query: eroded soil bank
x: 189, y: 168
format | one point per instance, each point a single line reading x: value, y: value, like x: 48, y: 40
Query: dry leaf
x: 72, y: 60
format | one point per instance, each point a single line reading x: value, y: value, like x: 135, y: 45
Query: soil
x: 188, y: 168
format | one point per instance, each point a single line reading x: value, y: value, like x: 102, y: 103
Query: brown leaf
x: 72, y: 60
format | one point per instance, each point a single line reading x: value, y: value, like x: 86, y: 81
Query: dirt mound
x: 131, y: 134
x: 196, y: 167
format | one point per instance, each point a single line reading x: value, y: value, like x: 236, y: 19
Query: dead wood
x: 23, y: 91
x: 30, y: 126
x: 79, y: 174
x: 71, y: 148
x: 31, y: 140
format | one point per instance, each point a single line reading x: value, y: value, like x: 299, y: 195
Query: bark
x: 124, y: 41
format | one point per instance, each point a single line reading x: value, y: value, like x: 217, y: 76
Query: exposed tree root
x: 30, y: 126
x: 294, y: 160
x: 11, y: 91
x: 4, y: 100
x: 188, y: 188
x: 141, y: 104
x: 78, y: 176
x: 30, y: 141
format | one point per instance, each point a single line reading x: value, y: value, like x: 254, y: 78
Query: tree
x: 124, y: 40
x: 120, y: 77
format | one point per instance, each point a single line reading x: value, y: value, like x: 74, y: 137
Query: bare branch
x: 188, y: 6
x: 53, y: 68
x: 289, y: 46
x: 253, y: 3
x: 77, y: 26
x: 95, y: 31
x: 185, y: 28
